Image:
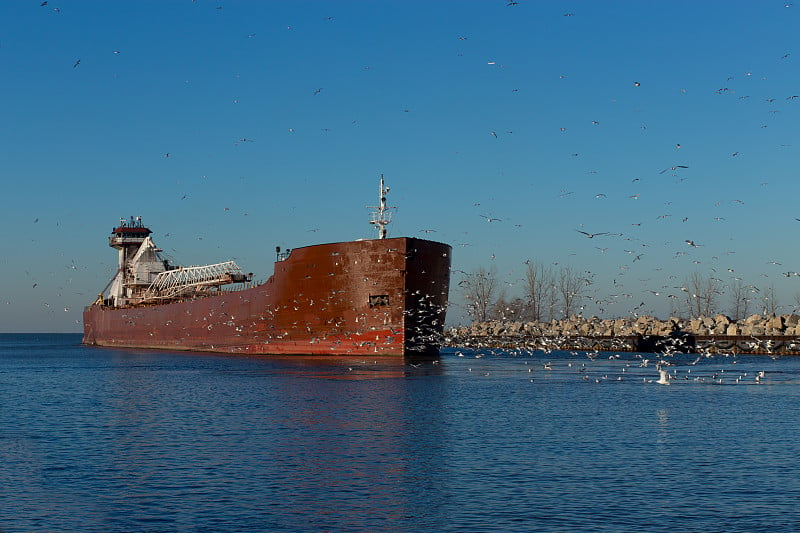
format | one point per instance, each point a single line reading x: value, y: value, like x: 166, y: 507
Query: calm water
x: 98, y: 439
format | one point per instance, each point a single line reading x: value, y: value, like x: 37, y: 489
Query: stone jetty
x: 778, y: 334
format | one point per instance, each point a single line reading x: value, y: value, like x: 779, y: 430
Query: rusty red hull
x: 369, y: 297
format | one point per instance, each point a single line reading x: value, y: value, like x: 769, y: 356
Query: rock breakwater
x: 754, y: 334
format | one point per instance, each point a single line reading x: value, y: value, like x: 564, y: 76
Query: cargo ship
x: 382, y: 296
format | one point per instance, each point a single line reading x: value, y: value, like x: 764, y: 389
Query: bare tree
x: 570, y: 287
x: 539, y: 291
x: 674, y: 306
x: 552, y: 303
x: 770, y: 301
x: 479, y: 288
x: 497, y: 310
x: 518, y: 309
x: 701, y: 295
x: 514, y: 309
x: 740, y: 300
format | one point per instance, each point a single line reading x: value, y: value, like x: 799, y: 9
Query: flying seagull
x: 676, y: 167
x: 592, y: 235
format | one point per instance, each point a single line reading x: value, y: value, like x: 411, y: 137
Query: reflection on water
x: 349, y: 367
x: 99, y: 439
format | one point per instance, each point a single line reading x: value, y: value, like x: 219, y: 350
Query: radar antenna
x: 381, y: 217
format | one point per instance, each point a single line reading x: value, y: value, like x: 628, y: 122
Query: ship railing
x: 193, y: 290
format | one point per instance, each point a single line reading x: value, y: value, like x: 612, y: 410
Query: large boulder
x: 753, y: 319
x: 721, y: 323
x: 515, y: 328
x: 733, y: 329
x: 774, y: 325
x: 753, y: 330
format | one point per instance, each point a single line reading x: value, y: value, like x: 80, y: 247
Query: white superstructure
x: 144, y: 275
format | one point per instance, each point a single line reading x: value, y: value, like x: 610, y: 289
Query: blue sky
x: 278, y: 118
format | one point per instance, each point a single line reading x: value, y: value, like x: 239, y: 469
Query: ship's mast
x: 381, y: 217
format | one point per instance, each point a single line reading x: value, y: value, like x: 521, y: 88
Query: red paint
x: 376, y: 297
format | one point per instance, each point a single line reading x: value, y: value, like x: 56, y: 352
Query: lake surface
x: 95, y: 439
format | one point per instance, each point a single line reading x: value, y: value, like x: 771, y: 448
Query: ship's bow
x: 427, y: 287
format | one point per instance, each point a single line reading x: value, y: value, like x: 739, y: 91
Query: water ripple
x: 111, y: 440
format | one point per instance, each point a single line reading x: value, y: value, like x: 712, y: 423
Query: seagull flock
x: 652, y: 224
